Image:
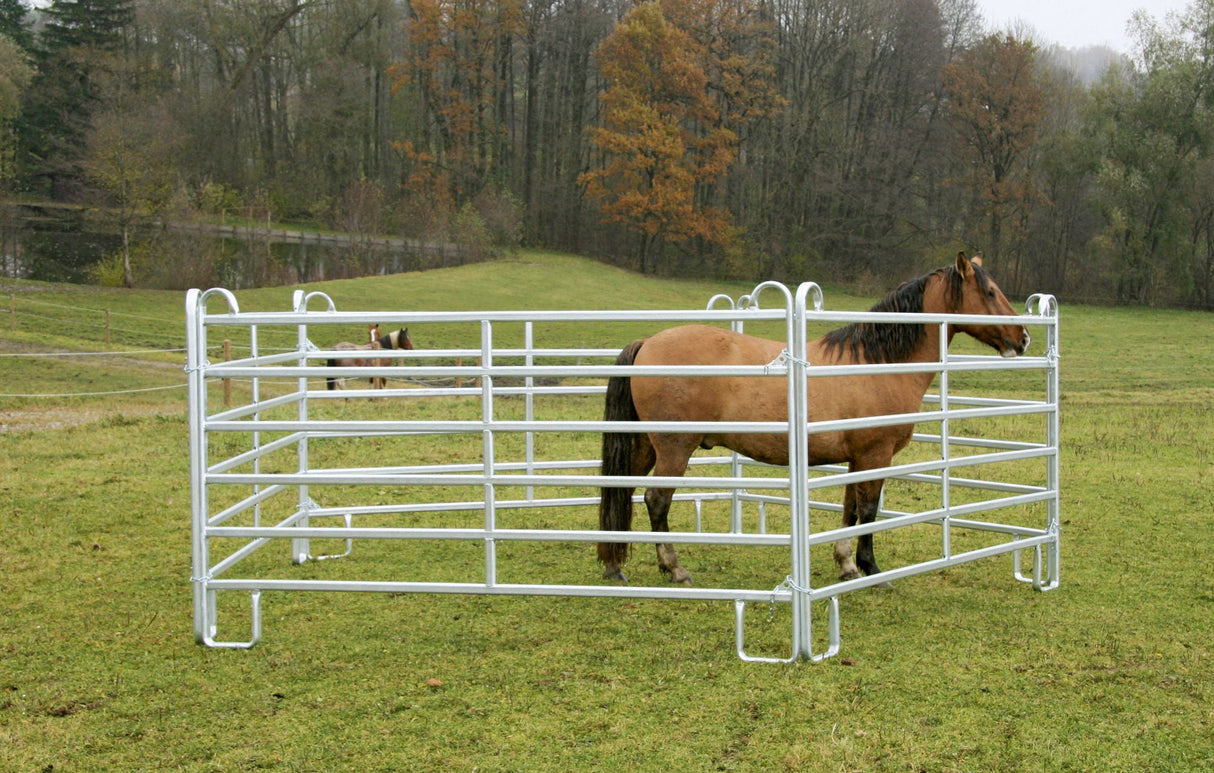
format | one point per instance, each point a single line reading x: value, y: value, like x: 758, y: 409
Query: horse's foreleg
x: 843, y: 556
x: 861, y: 503
x: 868, y: 503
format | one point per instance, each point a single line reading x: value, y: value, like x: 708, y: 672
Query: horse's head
x: 398, y: 339
x: 974, y: 292
x: 373, y: 330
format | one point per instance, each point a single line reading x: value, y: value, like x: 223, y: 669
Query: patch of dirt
x: 63, y: 418
x: 55, y: 415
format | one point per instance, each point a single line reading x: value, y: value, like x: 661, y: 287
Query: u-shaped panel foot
x: 255, y: 611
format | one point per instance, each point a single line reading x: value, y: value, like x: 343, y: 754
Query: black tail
x: 330, y: 381
x: 615, y: 505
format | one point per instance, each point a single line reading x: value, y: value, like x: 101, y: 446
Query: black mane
x: 878, y: 342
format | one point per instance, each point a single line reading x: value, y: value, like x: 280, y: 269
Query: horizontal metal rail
x: 386, y: 319
x: 505, y: 589
x: 388, y: 426
x: 503, y: 535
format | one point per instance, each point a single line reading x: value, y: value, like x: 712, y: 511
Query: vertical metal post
x: 798, y: 483
x: 196, y: 387
x: 487, y: 439
x: 256, y: 397
x: 205, y: 616
x: 300, y: 547
x: 529, y: 405
x: 735, y: 468
x: 1046, y: 572
x: 1053, y: 437
x: 945, y: 448
x: 798, y: 581
x: 735, y: 459
x: 798, y: 471
x: 799, y: 486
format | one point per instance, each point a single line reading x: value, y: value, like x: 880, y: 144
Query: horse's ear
x: 964, y: 268
x: 976, y: 260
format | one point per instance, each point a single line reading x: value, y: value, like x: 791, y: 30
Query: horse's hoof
x: 853, y: 574
x: 681, y: 576
x: 614, y: 574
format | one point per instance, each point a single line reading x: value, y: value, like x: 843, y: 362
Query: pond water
x: 63, y: 245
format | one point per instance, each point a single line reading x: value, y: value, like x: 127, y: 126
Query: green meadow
x: 962, y: 670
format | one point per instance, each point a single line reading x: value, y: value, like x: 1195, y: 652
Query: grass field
x: 964, y: 670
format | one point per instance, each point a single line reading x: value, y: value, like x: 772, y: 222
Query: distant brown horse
x: 395, y: 340
x: 963, y: 288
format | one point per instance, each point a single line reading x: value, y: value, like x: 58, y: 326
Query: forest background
x: 848, y: 141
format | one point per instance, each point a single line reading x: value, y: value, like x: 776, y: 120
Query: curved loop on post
x: 712, y: 302
x: 201, y: 298
x: 301, y: 300
x: 1042, y: 304
x: 808, y: 288
x: 751, y: 301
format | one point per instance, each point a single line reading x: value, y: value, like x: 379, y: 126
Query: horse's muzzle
x: 1014, y: 348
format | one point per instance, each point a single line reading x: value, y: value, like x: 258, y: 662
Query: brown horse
x: 396, y: 340
x: 964, y: 288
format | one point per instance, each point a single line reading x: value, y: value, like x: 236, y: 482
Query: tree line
x: 851, y: 141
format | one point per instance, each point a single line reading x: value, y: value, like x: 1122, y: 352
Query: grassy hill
x: 962, y: 670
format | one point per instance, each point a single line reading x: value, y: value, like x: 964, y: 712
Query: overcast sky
x: 1075, y: 23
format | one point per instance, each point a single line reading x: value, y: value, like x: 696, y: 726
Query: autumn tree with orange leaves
x: 996, y: 105
x: 457, y: 71
x: 683, y: 81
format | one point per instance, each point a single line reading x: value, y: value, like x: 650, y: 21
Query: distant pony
x: 398, y: 339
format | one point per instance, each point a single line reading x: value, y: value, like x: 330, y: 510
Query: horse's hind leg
x: 672, y: 460
x: 658, y: 500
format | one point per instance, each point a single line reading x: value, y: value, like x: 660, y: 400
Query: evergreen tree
x: 87, y: 24
x: 78, y: 47
x: 15, y: 23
